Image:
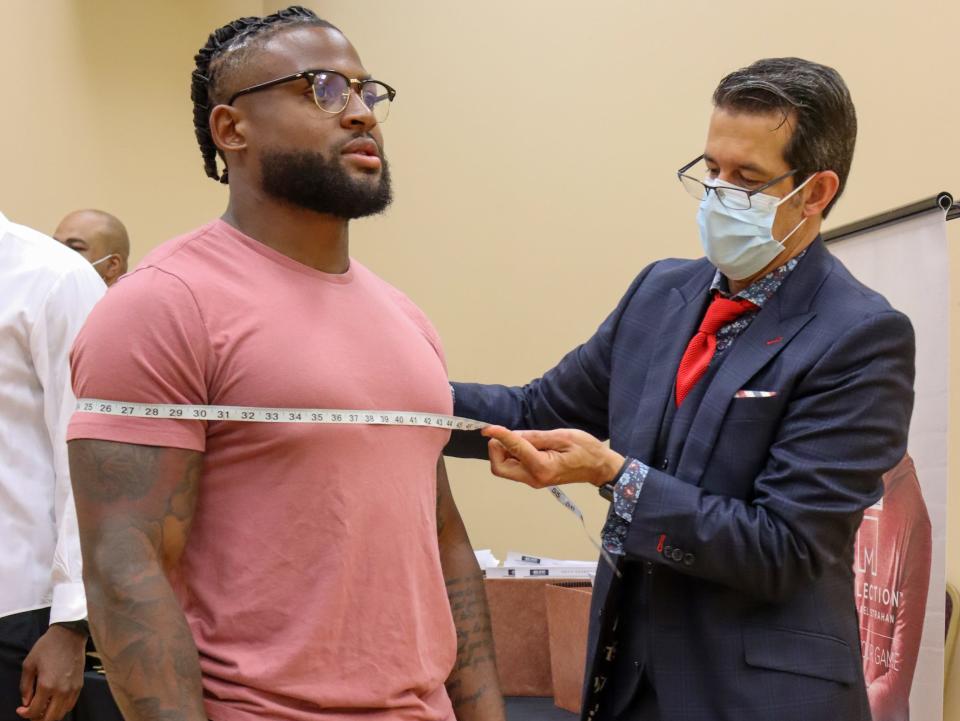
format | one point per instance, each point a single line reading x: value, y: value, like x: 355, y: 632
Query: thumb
x: 514, y: 444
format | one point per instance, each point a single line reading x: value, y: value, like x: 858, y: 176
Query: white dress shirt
x: 46, y: 292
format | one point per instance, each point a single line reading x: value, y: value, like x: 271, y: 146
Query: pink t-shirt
x: 311, y: 579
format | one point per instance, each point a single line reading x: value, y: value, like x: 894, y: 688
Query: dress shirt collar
x: 760, y: 290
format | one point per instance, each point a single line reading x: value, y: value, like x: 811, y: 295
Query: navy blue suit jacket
x: 745, y: 539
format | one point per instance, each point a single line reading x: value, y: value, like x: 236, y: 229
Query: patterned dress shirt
x: 628, y: 485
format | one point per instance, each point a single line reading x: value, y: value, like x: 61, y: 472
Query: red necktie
x: 703, y: 345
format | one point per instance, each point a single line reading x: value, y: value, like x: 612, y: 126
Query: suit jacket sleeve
x: 845, y: 425
x: 573, y: 394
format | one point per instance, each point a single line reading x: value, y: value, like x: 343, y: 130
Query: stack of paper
x: 523, y: 565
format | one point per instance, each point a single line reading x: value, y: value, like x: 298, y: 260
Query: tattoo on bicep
x: 114, y: 471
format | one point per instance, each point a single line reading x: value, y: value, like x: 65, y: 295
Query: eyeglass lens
x: 733, y: 198
x: 333, y: 93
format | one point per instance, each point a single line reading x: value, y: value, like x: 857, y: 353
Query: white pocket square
x: 745, y: 393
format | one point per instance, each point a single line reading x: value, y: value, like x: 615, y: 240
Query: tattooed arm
x: 473, y: 684
x: 134, y: 506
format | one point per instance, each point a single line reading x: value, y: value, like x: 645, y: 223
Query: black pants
x: 18, y: 633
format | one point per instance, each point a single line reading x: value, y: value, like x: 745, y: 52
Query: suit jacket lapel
x: 770, y: 332
x: 680, y: 319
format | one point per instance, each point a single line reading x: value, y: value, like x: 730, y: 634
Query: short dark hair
x: 226, y: 49
x: 811, y: 96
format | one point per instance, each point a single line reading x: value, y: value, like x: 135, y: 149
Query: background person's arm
x: 473, y: 685
x: 134, y: 506
x: 53, y: 670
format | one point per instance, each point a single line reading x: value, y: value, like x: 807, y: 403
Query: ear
x: 820, y: 191
x: 227, y: 128
x: 115, y: 268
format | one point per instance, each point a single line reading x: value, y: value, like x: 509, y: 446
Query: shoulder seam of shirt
x: 193, y: 297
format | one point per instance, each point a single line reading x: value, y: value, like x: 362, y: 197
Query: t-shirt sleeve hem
x: 169, y: 437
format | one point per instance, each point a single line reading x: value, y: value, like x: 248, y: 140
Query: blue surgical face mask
x: 740, y: 242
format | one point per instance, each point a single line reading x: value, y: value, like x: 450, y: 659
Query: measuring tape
x: 319, y: 416
x: 253, y: 414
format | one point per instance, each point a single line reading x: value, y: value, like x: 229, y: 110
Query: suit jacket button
x: 664, y: 464
x: 677, y: 555
x: 689, y: 559
x: 667, y: 550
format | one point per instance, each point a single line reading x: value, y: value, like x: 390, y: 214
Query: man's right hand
x: 551, y: 458
x: 52, y: 675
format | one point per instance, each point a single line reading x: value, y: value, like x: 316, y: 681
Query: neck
x: 313, y: 239
x: 798, y: 242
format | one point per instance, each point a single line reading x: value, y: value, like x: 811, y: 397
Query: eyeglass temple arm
x: 270, y: 83
x: 689, y: 165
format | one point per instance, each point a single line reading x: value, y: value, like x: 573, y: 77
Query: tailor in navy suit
x: 736, y: 601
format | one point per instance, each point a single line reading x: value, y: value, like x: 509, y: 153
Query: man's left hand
x: 551, y: 458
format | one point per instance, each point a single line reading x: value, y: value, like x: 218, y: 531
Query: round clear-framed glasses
x: 331, y: 91
x: 729, y: 196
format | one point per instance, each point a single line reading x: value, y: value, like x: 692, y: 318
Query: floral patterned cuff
x: 625, y: 492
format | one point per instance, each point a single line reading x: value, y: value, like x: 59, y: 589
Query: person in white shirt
x: 100, y: 238
x: 46, y: 292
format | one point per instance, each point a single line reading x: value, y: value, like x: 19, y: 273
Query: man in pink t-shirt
x: 304, y: 572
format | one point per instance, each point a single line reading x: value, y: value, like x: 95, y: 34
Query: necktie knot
x: 721, y: 311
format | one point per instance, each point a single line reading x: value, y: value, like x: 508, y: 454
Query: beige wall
x: 96, y: 112
x: 533, y: 145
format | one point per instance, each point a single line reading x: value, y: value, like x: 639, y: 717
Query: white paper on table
x: 486, y: 559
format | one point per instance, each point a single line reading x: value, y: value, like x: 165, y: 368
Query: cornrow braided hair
x: 226, y: 46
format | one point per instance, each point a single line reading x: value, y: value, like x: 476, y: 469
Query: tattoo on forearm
x: 474, y: 638
x: 459, y: 699
x: 473, y: 686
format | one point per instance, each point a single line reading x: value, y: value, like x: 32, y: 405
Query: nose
x: 357, y: 116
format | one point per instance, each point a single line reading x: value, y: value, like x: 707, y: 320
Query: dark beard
x: 309, y: 180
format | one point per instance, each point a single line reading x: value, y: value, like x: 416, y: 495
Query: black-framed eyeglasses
x: 331, y: 91
x: 729, y: 197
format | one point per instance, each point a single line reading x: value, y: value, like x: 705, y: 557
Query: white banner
x: 900, y: 553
